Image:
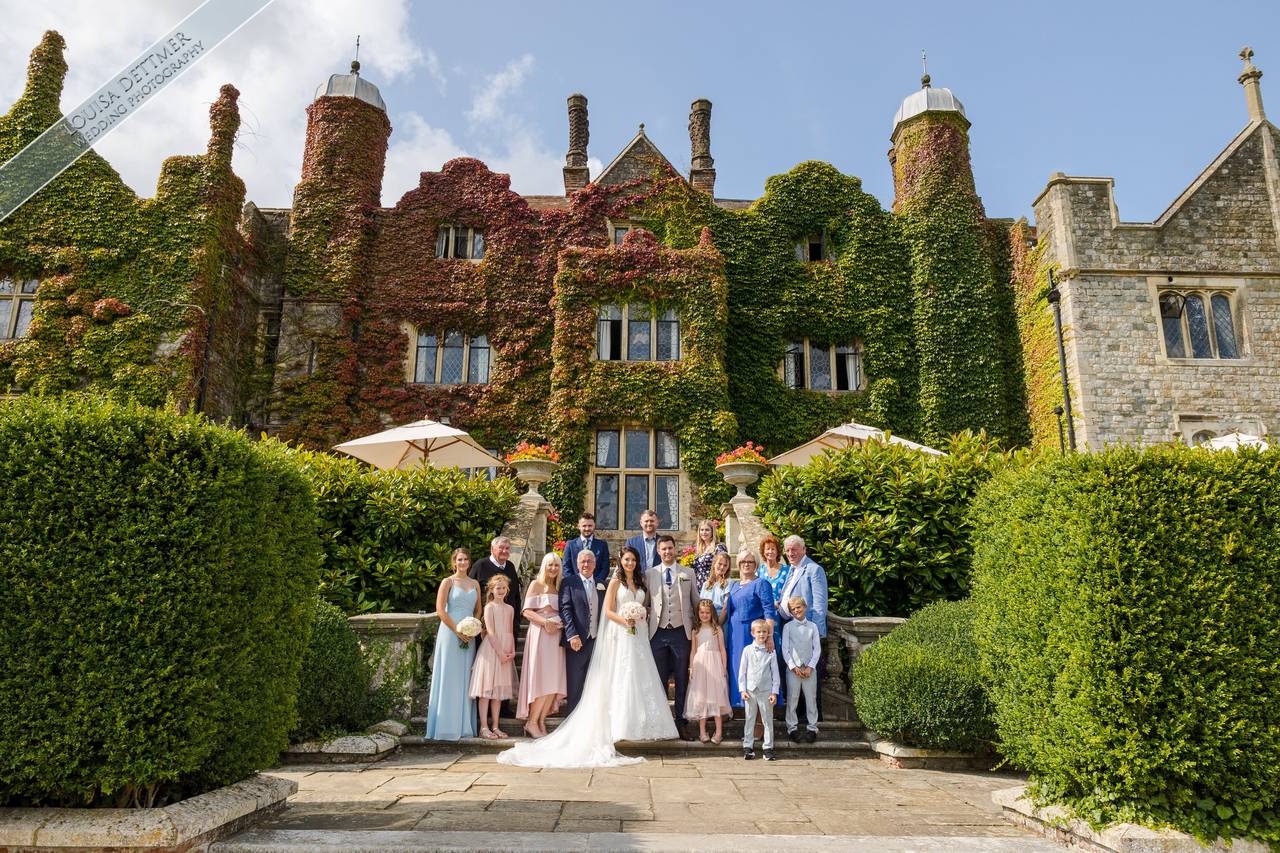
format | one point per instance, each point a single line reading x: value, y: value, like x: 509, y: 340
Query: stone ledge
x: 193, y: 822
x: 368, y: 747
x: 1057, y: 823
x: 918, y: 758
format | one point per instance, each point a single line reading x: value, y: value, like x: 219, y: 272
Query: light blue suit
x: 809, y: 581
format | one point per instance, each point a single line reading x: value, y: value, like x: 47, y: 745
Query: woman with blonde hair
x: 705, y: 548
x: 719, y: 584
x: 542, y: 676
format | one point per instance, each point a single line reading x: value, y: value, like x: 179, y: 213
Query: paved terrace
x: 423, y: 800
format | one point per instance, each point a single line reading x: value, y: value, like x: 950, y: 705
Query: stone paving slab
x: 296, y: 841
x: 663, y: 797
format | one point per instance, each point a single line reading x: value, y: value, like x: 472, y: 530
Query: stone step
x: 731, y: 728
x: 825, y: 747
x: 412, y: 841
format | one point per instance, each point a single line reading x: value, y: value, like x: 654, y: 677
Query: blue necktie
x: 668, y: 577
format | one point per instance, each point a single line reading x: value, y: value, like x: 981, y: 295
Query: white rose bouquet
x: 633, y: 611
x: 468, y: 630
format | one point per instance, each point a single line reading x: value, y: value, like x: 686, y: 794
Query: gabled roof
x: 635, y: 160
x: 1212, y: 169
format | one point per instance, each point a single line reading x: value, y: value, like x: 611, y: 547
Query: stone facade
x: 1221, y: 236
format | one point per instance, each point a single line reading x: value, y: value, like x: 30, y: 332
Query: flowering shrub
x: 559, y: 547
x: 687, y: 555
x: 749, y: 452
x: 525, y: 450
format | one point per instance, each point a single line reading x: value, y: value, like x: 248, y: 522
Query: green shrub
x: 388, y: 535
x: 921, y: 685
x: 887, y: 523
x: 1129, y: 621
x: 156, y: 575
x: 334, y: 688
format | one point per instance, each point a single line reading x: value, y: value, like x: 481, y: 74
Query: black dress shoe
x: 795, y: 735
x: 810, y: 736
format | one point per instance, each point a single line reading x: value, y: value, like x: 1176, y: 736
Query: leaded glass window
x: 451, y: 359
x: 634, y: 470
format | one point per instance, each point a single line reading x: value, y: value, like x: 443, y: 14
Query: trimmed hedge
x: 156, y: 578
x: 887, y: 523
x: 334, y: 688
x: 387, y: 535
x: 922, y: 686
x: 1129, y: 620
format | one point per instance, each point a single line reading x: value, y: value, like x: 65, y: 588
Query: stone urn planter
x: 535, y: 472
x: 741, y: 475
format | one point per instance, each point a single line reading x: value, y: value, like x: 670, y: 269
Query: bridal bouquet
x: 468, y: 630
x: 634, y: 611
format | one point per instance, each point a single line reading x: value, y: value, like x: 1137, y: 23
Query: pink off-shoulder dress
x: 491, y: 678
x: 542, y: 670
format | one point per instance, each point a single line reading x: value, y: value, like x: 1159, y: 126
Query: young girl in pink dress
x: 708, y: 683
x: 493, y: 675
x: 542, y: 676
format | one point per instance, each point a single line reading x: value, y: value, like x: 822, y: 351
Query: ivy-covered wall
x: 172, y: 296
x: 138, y: 297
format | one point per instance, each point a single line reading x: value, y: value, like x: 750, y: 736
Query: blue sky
x: 1143, y: 92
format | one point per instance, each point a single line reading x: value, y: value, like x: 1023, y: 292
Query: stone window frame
x: 623, y: 470
x: 853, y: 347
x: 414, y: 335
x: 1235, y: 289
x: 618, y: 229
x: 447, y: 242
x: 804, y: 247
x: 658, y: 318
x: 17, y: 293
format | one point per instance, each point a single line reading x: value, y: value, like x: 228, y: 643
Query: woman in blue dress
x: 451, y: 713
x: 750, y: 600
x: 719, y: 584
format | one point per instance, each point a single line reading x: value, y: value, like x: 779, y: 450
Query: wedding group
x: 606, y: 638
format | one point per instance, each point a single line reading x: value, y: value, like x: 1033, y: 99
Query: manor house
x: 638, y: 322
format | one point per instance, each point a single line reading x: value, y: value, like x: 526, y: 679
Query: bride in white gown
x: 622, y: 698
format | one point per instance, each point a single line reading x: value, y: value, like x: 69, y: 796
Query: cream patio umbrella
x: 1235, y: 440
x: 424, y: 442
x: 838, y: 438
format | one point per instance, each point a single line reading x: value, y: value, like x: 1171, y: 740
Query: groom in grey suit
x: 673, y: 614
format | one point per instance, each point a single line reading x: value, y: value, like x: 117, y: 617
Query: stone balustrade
x: 527, y: 530
x: 394, y: 642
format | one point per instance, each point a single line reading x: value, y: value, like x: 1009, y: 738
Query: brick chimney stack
x: 576, y: 173
x: 702, y: 169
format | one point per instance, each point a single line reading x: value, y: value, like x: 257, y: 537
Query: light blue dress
x: 717, y: 595
x: 451, y: 713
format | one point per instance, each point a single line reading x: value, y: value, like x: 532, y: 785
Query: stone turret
x: 702, y: 171
x: 576, y: 173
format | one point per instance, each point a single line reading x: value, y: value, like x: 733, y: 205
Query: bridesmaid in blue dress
x: 451, y: 713
x: 719, y: 584
x: 752, y: 599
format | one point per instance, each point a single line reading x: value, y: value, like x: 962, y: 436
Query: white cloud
x: 276, y: 61
x: 487, y: 104
x: 436, y: 71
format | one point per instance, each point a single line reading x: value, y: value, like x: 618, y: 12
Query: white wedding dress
x: 622, y: 699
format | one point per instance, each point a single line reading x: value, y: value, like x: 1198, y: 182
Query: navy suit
x: 575, y: 614
x: 572, y: 548
x: 637, y: 542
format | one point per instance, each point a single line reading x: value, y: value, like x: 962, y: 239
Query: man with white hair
x: 808, y: 580
x: 499, y: 563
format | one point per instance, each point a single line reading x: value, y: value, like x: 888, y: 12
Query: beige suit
x: 684, y: 601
